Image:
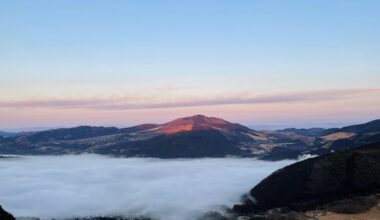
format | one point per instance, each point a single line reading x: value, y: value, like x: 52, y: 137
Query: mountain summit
x: 199, y: 122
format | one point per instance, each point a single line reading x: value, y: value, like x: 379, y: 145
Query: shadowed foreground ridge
x: 318, y: 181
x: 4, y: 215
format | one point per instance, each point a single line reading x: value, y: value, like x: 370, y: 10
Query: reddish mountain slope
x: 199, y: 122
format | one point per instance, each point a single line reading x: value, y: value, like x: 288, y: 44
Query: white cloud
x: 90, y: 185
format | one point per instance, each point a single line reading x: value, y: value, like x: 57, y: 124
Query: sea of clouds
x: 93, y: 185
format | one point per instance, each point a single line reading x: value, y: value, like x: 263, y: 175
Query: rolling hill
x: 188, y: 137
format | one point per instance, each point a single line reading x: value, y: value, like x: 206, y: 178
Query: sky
x: 121, y: 63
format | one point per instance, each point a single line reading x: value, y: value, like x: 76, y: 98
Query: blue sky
x: 143, y: 52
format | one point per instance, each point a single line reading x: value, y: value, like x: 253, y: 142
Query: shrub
x: 354, y: 205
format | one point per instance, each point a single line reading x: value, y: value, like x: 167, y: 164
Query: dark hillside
x: 318, y: 181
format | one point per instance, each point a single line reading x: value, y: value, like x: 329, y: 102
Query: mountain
x: 6, y: 134
x: 80, y: 132
x: 313, y: 132
x: 337, y: 139
x: 330, y: 140
x: 200, y: 122
x: 194, y: 136
x: 372, y: 126
x: 314, y: 182
x: 188, y: 137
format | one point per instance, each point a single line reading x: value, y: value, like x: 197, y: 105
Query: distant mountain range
x: 6, y: 134
x: 189, y: 137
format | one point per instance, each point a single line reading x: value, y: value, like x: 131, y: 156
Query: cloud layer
x: 88, y: 185
x: 124, y: 103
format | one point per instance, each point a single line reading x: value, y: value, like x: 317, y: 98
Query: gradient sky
x: 296, y: 63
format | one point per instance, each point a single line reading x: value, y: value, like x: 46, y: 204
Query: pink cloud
x: 124, y: 104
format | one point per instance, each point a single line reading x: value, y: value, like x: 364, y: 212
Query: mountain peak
x: 198, y: 122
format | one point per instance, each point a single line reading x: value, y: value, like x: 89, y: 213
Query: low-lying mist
x: 92, y: 185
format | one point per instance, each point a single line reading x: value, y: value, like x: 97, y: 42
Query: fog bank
x: 92, y: 185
